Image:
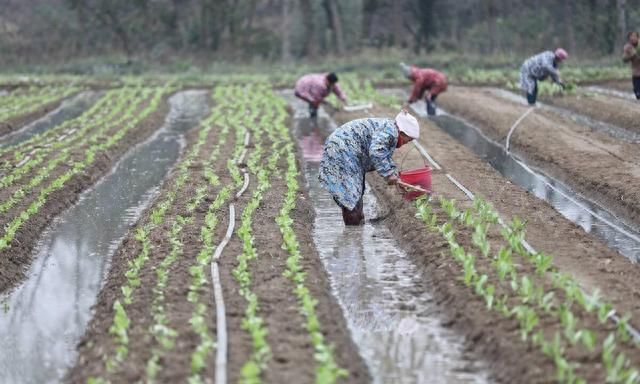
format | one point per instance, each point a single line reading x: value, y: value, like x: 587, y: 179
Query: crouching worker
x: 314, y: 87
x: 539, y: 67
x: 427, y: 82
x: 358, y: 147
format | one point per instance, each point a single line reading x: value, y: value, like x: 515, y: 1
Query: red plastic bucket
x: 420, y: 177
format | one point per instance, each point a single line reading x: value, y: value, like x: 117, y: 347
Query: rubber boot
x: 531, y: 99
x: 354, y: 216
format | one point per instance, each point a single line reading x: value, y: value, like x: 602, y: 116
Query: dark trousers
x: 313, y: 110
x: 532, y: 97
x: 353, y: 216
x: 431, y: 105
x: 636, y: 86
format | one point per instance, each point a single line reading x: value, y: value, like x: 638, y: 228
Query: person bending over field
x: 631, y: 55
x: 314, y: 87
x: 425, y: 80
x: 358, y: 147
x: 539, y: 67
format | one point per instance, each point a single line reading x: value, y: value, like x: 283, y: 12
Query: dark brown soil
x: 490, y: 336
x: 15, y: 260
x: 613, y: 110
x: 619, y: 85
x: 292, y: 352
x: 594, y: 164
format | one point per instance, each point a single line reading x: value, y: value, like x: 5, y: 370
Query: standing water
x: 589, y: 215
x: 43, y: 319
x: 596, y: 125
x: 68, y: 109
x: 391, y: 316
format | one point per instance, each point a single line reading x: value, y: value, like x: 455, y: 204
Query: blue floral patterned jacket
x: 352, y: 150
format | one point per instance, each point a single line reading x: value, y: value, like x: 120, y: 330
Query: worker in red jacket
x: 427, y: 82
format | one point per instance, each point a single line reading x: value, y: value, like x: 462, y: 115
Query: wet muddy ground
x: 594, y: 264
x: 16, y: 260
x: 67, y: 109
x: 390, y: 311
x: 602, y: 168
x: 292, y: 353
x: 45, y: 316
x: 16, y: 123
x: 390, y: 278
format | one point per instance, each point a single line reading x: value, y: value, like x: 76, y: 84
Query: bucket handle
x: 404, y: 157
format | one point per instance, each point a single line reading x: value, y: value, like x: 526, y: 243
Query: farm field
x: 231, y: 267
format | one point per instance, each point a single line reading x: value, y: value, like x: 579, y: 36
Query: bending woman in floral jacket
x: 358, y: 147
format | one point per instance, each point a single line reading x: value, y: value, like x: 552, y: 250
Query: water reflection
x: 68, y: 109
x: 45, y: 317
x: 391, y: 315
x: 588, y: 215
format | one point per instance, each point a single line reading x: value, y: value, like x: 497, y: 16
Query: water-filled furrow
x: 589, y: 215
x: 43, y: 319
x: 67, y: 110
x: 385, y: 299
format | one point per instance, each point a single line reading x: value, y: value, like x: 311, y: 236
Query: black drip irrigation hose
x: 612, y: 315
x: 221, y: 319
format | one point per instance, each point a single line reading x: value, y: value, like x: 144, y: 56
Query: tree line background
x: 274, y: 30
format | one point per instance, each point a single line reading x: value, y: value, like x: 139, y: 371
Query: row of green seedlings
x: 122, y: 110
x: 551, y: 89
x: 327, y: 370
x: 564, y: 283
x: 162, y: 333
x: 121, y: 323
x: 252, y: 323
x: 66, y: 130
x: 160, y: 330
x: 198, y: 271
x: 19, y: 103
x: 41, y: 144
x: 360, y: 90
x: 529, y: 293
x: 98, y: 144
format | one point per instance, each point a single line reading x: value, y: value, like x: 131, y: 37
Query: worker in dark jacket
x: 631, y: 55
x: 539, y: 67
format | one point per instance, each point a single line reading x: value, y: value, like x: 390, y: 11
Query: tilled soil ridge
x: 15, y: 260
x: 596, y: 165
x: 495, y: 339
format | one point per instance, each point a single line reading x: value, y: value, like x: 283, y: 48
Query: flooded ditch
x: 600, y: 126
x: 385, y: 299
x: 67, y: 110
x: 592, y: 217
x: 42, y: 320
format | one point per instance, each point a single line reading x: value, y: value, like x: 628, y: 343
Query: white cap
x: 406, y: 70
x: 408, y: 124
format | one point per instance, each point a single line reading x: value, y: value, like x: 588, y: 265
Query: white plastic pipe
x: 218, y: 298
x: 613, y: 316
x: 516, y: 124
